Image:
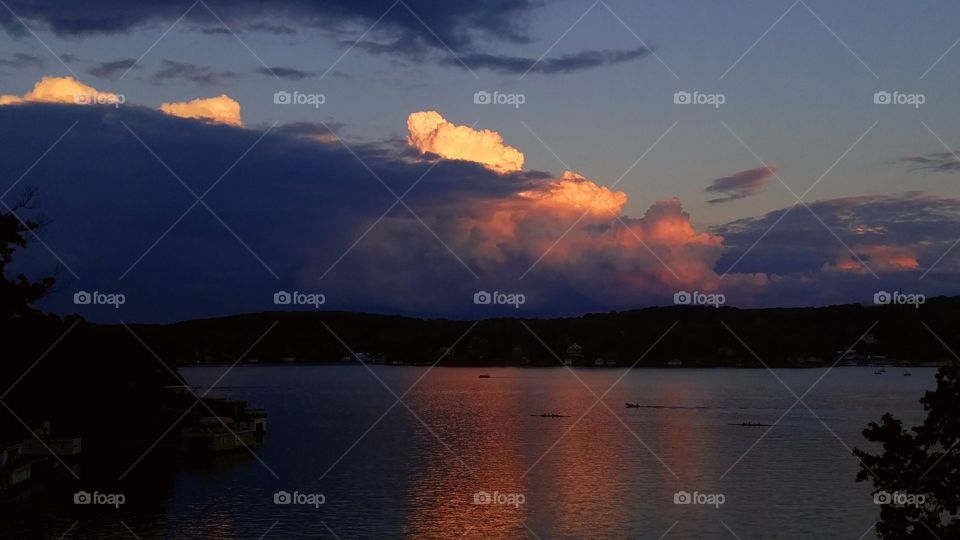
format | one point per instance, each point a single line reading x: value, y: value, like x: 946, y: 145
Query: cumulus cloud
x: 220, y: 109
x: 741, y: 185
x: 890, y: 233
x: 304, y: 206
x: 63, y: 90
x: 430, y: 132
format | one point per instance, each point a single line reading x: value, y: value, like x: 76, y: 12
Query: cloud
x: 890, y: 233
x: 741, y: 185
x: 945, y: 162
x: 63, y: 90
x: 220, y: 109
x: 308, y: 207
x: 564, y: 64
x: 109, y: 70
x: 290, y: 74
x: 454, y: 22
x: 413, y: 29
x: 22, y: 61
x: 430, y: 132
x: 195, y: 73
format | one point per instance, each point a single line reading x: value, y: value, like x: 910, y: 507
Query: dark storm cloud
x: 195, y: 73
x: 110, y: 70
x: 296, y: 202
x: 740, y: 185
x: 22, y: 61
x: 412, y: 29
x: 924, y: 226
x: 291, y: 74
x: 549, y: 66
x: 455, y: 22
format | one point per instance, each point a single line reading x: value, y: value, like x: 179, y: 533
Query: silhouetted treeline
x: 703, y: 336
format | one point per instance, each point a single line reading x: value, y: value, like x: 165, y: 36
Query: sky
x: 589, y: 156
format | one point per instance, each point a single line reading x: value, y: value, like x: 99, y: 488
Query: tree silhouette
x: 917, y: 476
x: 18, y: 293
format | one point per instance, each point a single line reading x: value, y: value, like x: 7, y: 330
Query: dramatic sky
x: 399, y: 156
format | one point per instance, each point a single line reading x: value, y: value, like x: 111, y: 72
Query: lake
x: 469, y: 457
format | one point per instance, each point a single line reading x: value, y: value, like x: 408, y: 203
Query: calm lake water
x: 415, y: 473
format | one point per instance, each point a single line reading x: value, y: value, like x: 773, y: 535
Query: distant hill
x: 702, y: 336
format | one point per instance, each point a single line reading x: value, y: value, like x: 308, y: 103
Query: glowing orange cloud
x: 576, y: 192
x: 879, y: 257
x: 221, y: 109
x: 660, y: 250
x: 63, y: 90
x: 430, y: 132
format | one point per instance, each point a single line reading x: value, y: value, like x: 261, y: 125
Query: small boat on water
x: 633, y: 405
x: 880, y: 371
x: 551, y: 415
x: 906, y: 373
x: 484, y: 376
x: 752, y: 424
